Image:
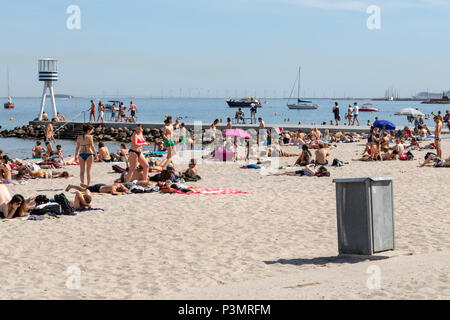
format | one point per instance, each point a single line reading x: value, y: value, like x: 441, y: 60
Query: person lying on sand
x: 414, y: 144
x: 432, y: 159
x: 276, y: 151
x: 311, y: 170
x: 82, y: 201
x: 16, y: 207
x: 27, y: 172
x: 113, y: 189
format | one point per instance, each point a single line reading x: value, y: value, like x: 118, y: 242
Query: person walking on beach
x: 167, y: 136
x: 85, y: 153
x: 262, y: 133
x: 437, y: 136
x: 253, y: 110
x: 135, y: 154
x: 101, y: 112
x: 49, y: 136
x: 355, y: 113
x: 133, y: 110
x: 350, y: 114
x: 337, y: 117
x: 92, y: 114
x: 100, y: 108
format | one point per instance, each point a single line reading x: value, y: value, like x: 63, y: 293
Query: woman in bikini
x: 135, y: 154
x: 85, y: 145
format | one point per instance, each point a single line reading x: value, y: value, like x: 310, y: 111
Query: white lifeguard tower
x: 48, y: 72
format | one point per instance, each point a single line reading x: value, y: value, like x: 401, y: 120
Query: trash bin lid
x: 353, y: 180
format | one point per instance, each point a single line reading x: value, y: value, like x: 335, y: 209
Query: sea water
x: 274, y: 111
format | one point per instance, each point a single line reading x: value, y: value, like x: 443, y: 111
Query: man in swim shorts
x: 167, y: 135
x: 113, y: 189
x: 49, y: 136
x: 437, y: 136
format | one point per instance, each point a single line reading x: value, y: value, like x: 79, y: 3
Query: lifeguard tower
x: 48, y: 72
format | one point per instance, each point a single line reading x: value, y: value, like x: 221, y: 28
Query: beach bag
x: 66, y: 207
x: 41, y: 199
x: 337, y: 163
x: 50, y: 207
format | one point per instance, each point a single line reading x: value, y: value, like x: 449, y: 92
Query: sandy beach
x: 278, y: 241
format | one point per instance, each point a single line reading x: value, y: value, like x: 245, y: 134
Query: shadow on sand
x: 328, y: 260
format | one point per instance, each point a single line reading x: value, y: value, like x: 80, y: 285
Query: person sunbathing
x: 103, y: 153
x: 399, y: 147
x: 5, y: 168
x: 192, y: 170
x: 82, y: 201
x: 305, y: 157
x: 311, y: 170
x: 414, y: 144
x: 322, y: 155
x: 16, y: 207
x: 113, y: 189
x: 276, y: 151
x: 432, y: 159
x: 390, y: 155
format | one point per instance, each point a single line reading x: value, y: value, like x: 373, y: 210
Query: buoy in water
x: 276, y: 113
x: 11, y: 119
x: 165, y: 115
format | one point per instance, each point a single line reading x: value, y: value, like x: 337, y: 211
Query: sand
x: 279, y: 241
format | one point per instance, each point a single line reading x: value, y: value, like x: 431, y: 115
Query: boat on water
x: 9, y: 104
x: 244, y: 103
x: 300, y: 104
x: 443, y: 100
x: 368, y: 107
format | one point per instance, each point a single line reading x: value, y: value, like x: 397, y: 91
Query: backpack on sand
x: 66, y: 207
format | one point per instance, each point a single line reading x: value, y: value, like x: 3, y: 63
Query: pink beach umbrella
x: 238, y: 133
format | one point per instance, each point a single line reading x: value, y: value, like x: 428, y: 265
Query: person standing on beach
x: 135, y: 154
x: 337, y: 117
x: 92, y: 114
x: 49, y: 136
x: 133, y: 110
x: 122, y: 112
x: 113, y: 112
x: 229, y: 124
x: 355, y: 113
x: 167, y: 136
x: 85, y: 147
x: 437, y: 136
x: 101, y: 111
x: 350, y: 114
x: 253, y: 110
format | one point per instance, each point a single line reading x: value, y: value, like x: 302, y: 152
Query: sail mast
x: 298, y: 90
x: 7, y: 78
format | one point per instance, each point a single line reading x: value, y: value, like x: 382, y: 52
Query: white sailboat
x: 300, y: 104
x: 9, y: 104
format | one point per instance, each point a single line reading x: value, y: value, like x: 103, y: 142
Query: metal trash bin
x: 365, y: 215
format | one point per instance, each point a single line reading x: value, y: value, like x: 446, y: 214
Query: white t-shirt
x: 356, y: 110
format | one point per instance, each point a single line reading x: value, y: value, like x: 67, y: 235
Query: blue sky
x: 234, y: 46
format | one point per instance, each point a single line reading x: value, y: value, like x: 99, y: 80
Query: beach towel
x: 208, y: 192
x: 251, y: 166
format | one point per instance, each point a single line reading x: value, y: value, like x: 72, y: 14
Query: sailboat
x: 301, y: 104
x: 9, y: 104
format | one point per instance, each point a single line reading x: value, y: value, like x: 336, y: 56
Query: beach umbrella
x: 409, y: 112
x: 238, y: 133
x: 384, y: 124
